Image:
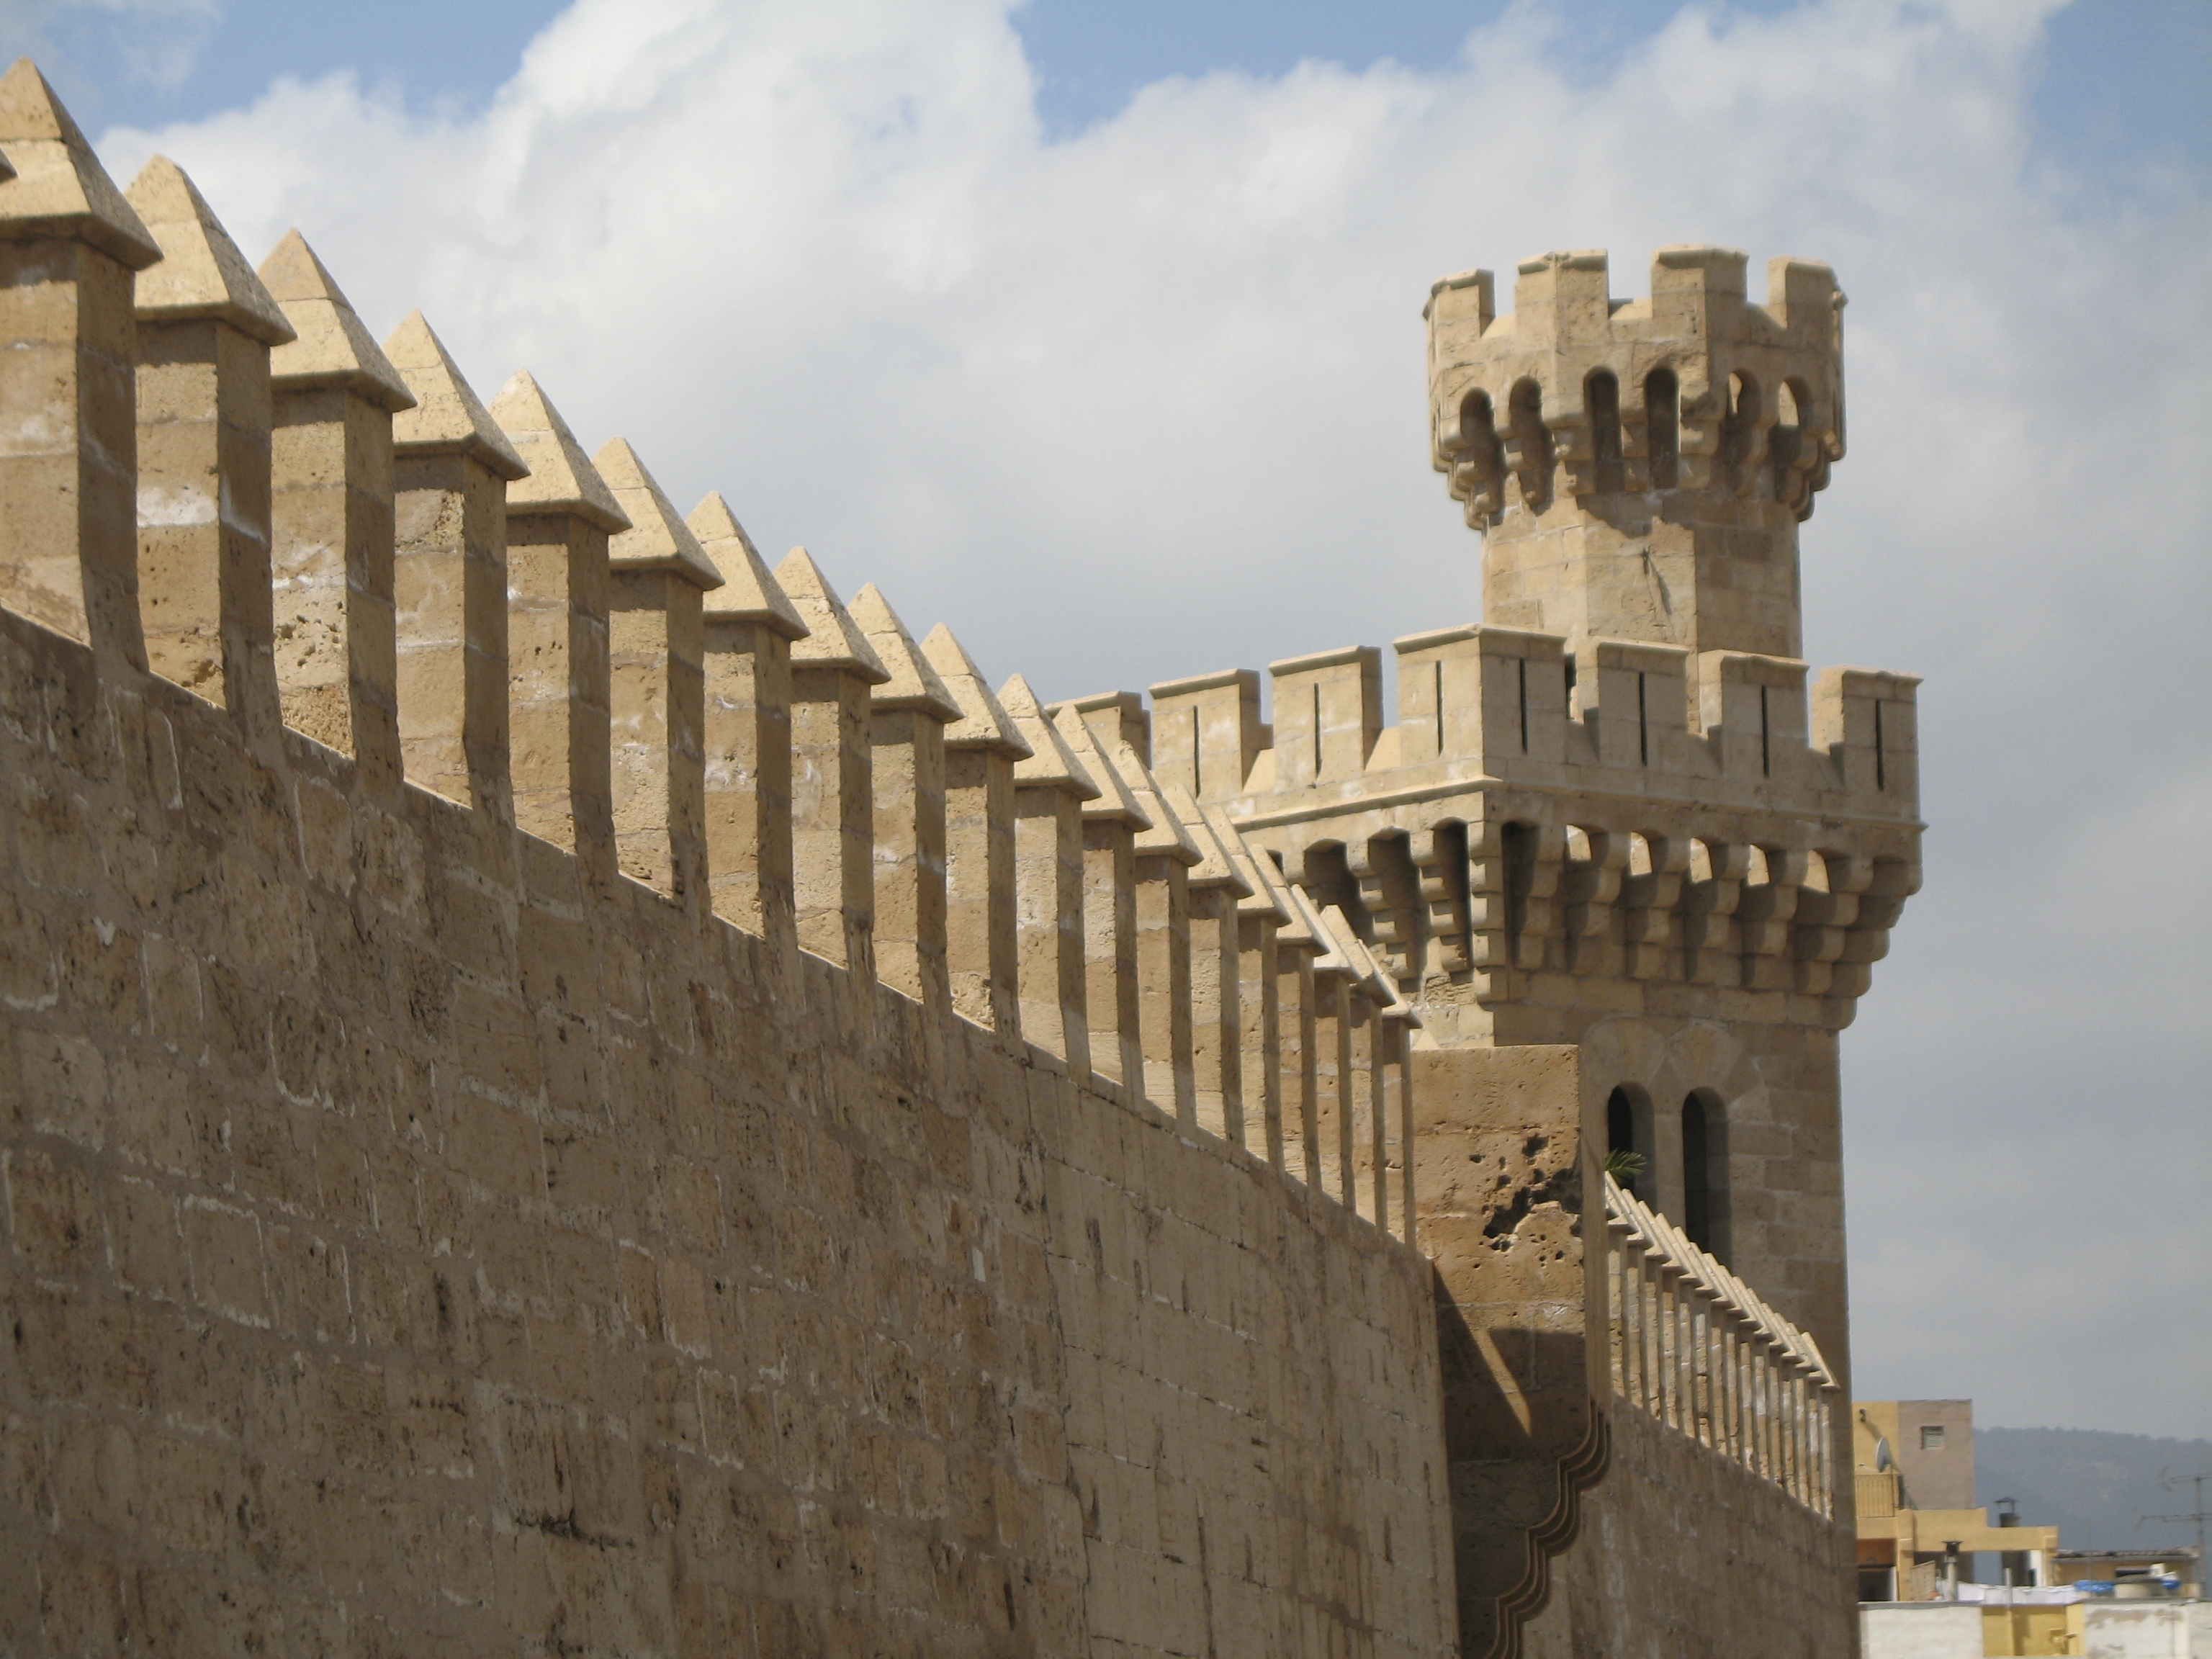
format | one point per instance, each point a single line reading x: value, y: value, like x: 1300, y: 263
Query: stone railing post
x: 1393, y: 1107
x: 1161, y: 861
x: 1341, y: 1008
x: 205, y: 328
x: 1298, y: 948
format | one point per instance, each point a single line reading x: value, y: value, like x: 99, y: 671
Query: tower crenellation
x: 1638, y: 468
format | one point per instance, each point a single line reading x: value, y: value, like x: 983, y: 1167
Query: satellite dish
x: 1883, y: 1462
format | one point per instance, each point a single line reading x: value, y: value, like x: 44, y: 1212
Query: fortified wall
x: 565, y: 1091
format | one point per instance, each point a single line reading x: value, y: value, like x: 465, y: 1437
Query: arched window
x: 1705, y: 1172
x: 1662, y: 426
x: 1628, y: 1139
x: 1601, y: 398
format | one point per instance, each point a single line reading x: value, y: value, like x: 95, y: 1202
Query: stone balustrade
x: 1697, y: 1349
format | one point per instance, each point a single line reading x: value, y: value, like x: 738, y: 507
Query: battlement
x: 1694, y: 388
x: 1621, y: 809
x: 1638, y: 467
x: 457, y: 599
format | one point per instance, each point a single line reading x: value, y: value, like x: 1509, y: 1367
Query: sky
x: 1094, y: 331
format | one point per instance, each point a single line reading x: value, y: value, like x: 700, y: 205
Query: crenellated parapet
x: 1541, y: 816
x: 1638, y: 468
x: 1695, y: 389
x: 450, y: 605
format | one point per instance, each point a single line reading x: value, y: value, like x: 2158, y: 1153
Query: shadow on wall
x: 1523, y: 1439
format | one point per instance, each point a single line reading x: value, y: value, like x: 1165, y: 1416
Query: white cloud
x: 1150, y: 401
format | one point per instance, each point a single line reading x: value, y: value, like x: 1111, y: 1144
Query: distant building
x: 1919, y: 1528
x: 1920, y: 1532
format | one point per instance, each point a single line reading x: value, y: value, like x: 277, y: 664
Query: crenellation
x: 1051, y: 787
x: 981, y: 750
x: 1636, y: 744
x: 560, y: 517
x: 69, y: 248
x: 908, y: 714
x: 1207, y: 733
x: 1328, y: 715
x: 332, y: 539
x: 746, y: 629
x: 1111, y: 819
x: 451, y: 467
x: 658, y: 576
x: 206, y: 326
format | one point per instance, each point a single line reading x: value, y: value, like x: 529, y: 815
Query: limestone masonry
x: 567, y: 1091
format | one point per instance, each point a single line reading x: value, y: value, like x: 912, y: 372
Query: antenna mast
x: 2197, y: 1515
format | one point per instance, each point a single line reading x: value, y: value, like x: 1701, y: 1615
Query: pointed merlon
x: 448, y: 417
x: 1375, y: 983
x: 982, y: 723
x: 1256, y: 869
x: 1160, y: 830
x: 1399, y: 1009
x: 833, y: 639
x: 1336, y: 933
x: 1214, y: 868
x: 1050, y: 764
x: 201, y: 273
x: 1113, y: 804
x: 1306, y: 925
x: 1164, y: 833
x: 334, y: 348
x: 748, y: 593
x: 657, y: 538
x: 912, y: 683
x: 58, y: 187
x: 561, y: 477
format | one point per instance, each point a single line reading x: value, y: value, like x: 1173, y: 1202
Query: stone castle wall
x: 414, y: 1246
x: 1767, y: 1566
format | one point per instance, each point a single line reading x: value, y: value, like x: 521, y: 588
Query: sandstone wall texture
x: 1764, y: 1584
x: 414, y: 1248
